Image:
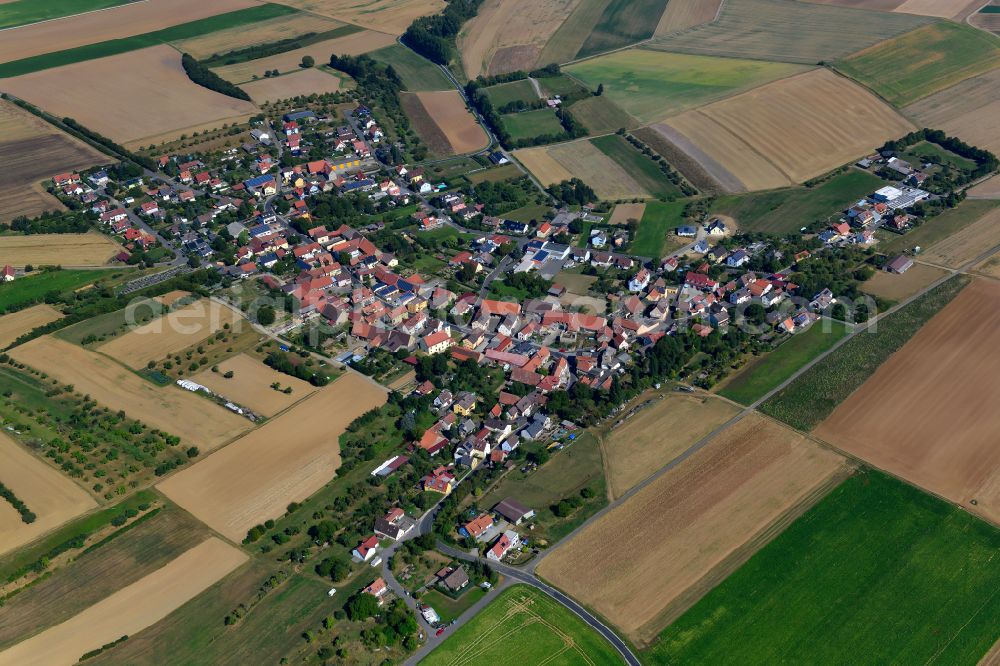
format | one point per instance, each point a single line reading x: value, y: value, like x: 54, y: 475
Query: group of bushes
x: 27, y: 515
x: 206, y: 78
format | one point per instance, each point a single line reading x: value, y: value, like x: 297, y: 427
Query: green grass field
x: 600, y: 115
x: 505, y: 93
x: 567, y: 473
x: 643, y: 169
x: 528, y: 213
x: 417, y: 73
x: 878, y: 572
x: 116, y: 46
x: 449, y: 609
x: 786, y: 210
x: 567, y: 40
x: 924, y: 61
x: 931, y: 152
x: 937, y: 228
x: 623, y: 22
x: 33, y: 288
x: 524, y: 626
x: 652, y: 85
x: 561, y: 85
x: 763, y: 374
x: 817, y: 392
x: 529, y: 124
x: 22, y: 12
x: 657, y: 221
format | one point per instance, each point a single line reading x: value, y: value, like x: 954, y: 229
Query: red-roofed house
x: 366, y: 549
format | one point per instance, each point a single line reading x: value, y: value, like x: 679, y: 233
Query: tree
x: 266, y: 316
x: 600, y: 90
x: 361, y: 607
x: 307, y: 61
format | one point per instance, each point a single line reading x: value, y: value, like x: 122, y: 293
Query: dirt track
x: 285, y: 460
x: 52, y: 497
x: 129, y: 610
x: 928, y: 413
x: 660, y: 544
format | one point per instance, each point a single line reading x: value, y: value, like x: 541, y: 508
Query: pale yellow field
x: 262, y: 32
x: 66, y: 250
x: 624, y: 212
x: 988, y: 189
x: 961, y: 248
x: 542, y: 166
x: 661, y: 549
x: 285, y: 460
x: 289, y: 61
x: 302, y: 82
x: 84, y: 91
x: 658, y: 434
x: 898, y: 287
x: 449, y: 113
x: 683, y: 14
x: 172, y: 297
x: 608, y: 178
x: 171, y: 409
x: 393, y: 16
x: 131, y: 609
x: 123, y: 21
x: 16, y: 324
x: 52, y: 497
x: 250, y: 385
x: 509, y: 34
x: 170, y: 334
x: 967, y: 110
x: 952, y: 9
x: 791, y: 130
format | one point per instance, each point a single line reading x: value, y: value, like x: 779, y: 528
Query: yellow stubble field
x: 250, y: 385
x: 16, y: 324
x: 66, y: 250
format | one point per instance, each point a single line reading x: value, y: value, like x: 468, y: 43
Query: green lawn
x: 657, y: 221
x: 817, y: 392
x: 568, y: 472
x: 623, y: 22
x: 652, y: 85
x: 600, y: 115
x: 33, y: 288
x: 642, y: 168
x: 507, y: 171
x: 876, y: 573
x: 417, y: 73
x: 524, y: 626
x: 505, y: 93
x: 529, y: 124
x: 561, y: 85
x: 528, y: 213
x: 22, y: 12
x: 924, y: 61
x: 937, y: 228
x: 116, y: 46
x: 786, y: 210
x: 931, y: 152
x: 449, y: 609
x: 763, y: 374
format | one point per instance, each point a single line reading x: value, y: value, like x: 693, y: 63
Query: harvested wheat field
x: 52, y: 497
x: 658, y: 434
x: 131, y: 609
x: 927, y: 413
x: 791, y: 130
x: 172, y: 297
x: 967, y: 110
x: 285, y: 460
x: 508, y: 35
x: 878, y: 5
x: 950, y: 9
x: 66, y: 250
x: 393, y: 16
x: 123, y: 21
x: 447, y: 109
x: 302, y: 82
x: 988, y: 189
x: 289, y: 61
x: 172, y: 333
x: 900, y: 287
x: 961, y: 248
x: 625, y: 212
x: 670, y: 543
x: 16, y: 324
x: 684, y: 14
x: 31, y: 151
x: 989, y: 267
x: 261, y: 32
x: 250, y: 385
x: 195, y: 420
x: 145, y: 114
x: 540, y: 163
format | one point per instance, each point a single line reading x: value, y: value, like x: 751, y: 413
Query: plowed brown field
x: 285, y: 460
x: 927, y: 413
x: 448, y: 111
x: 656, y: 550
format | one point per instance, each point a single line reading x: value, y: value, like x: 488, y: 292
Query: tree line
x: 206, y: 78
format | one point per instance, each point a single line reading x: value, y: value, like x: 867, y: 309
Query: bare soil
x: 624, y: 212
x: 285, y: 460
x: 449, y: 112
x: 926, y: 414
